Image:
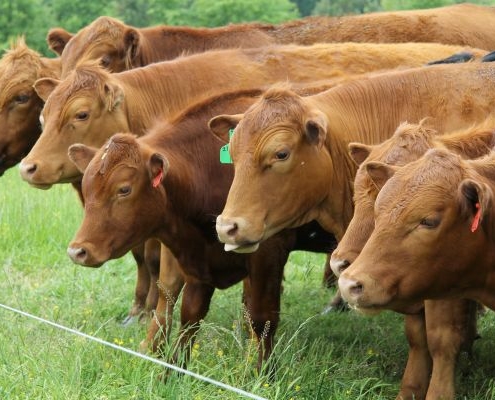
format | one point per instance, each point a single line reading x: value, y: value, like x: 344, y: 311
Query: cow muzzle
x: 83, y: 255
x: 231, y: 231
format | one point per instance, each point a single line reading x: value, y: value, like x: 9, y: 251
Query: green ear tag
x: 224, y: 151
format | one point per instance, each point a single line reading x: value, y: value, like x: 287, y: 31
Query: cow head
x: 408, y: 143
x: 20, y: 106
x: 431, y: 235
x: 280, y: 162
x: 86, y: 107
x: 113, y: 44
x: 122, y: 188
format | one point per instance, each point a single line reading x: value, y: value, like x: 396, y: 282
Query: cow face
x: 408, y: 143
x: 106, y: 40
x: 122, y: 188
x: 280, y: 166
x: 84, y: 108
x: 19, y: 104
x: 428, y: 236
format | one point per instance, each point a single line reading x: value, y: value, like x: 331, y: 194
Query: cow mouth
x: 242, y: 248
x: 43, y: 186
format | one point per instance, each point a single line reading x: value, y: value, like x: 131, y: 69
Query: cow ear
x: 359, y: 152
x: 81, y: 155
x: 316, y: 128
x: 131, y: 43
x: 476, y: 200
x: 114, y: 96
x: 158, y: 167
x: 221, y: 124
x: 57, y: 39
x: 379, y: 172
x: 45, y: 86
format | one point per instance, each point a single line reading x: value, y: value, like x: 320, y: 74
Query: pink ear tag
x: 158, y: 178
x: 477, y: 217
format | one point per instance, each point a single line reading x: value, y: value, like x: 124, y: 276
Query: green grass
x: 336, y: 356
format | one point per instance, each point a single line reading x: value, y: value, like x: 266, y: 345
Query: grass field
x: 336, y: 356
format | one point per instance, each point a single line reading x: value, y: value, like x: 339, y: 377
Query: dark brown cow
x: 177, y: 168
x: 20, y: 106
x: 455, y: 320
x: 440, y: 207
x: 120, y: 46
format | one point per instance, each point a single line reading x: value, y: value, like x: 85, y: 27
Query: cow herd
x: 368, y: 138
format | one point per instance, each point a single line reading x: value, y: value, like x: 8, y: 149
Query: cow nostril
x: 232, y: 231
x: 356, y: 289
x: 30, y: 169
x: 77, y: 254
x: 343, y: 266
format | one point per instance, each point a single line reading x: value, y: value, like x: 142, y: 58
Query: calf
x: 435, y: 216
x: 453, y: 321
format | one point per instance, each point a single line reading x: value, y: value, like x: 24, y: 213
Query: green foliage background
x: 33, y: 18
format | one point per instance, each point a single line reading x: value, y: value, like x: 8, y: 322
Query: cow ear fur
x: 114, y: 96
x: 316, y: 128
x: 379, y: 172
x: 158, y: 167
x: 57, y: 39
x: 359, y: 152
x: 131, y: 43
x: 45, y: 86
x: 81, y: 155
x: 221, y: 124
x: 475, y: 195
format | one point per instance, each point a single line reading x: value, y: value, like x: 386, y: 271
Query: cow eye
x: 429, y: 223
x: 282, y: 155
x: 124, y: 191
x: 21, y: 98
x: 82, y: 116
x: 105, y: 61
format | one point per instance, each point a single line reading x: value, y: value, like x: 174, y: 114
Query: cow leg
x: 152, y: 262
x: 451, y: 325
x: 416, y: 376
x: 195, y: 304
x: 263, y: 302
x: 170, y: 283
x: 142, y: 286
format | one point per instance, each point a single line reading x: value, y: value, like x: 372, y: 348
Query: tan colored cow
x: 120, y: 46
x: 290, y: 153
x: 92, y: 104
x: 436, y: 215
x: 454, y: 321
x: 20, y: 106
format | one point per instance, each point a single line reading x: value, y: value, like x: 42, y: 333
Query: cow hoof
x: 129, y: 320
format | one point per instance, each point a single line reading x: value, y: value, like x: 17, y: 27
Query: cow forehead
x: 428, y: 181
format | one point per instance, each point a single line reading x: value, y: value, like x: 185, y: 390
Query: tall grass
x: 335, y: 356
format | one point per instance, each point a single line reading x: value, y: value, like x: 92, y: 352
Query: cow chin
x: 249, y: 248
x: 44, y: 186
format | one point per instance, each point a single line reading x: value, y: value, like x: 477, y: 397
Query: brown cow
x: 20, y: 106
x: 94, y: 104
x: 120, y: 46
x: 455, y: 319
x: 169, y: 184
x: 445, y: 227
x: 286, y: 144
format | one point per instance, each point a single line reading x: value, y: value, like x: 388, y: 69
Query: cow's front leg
x: 416, y: 376
x: 170, y: 283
